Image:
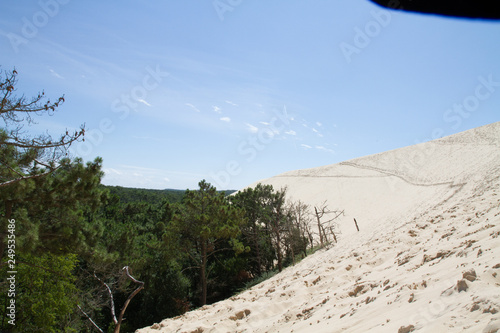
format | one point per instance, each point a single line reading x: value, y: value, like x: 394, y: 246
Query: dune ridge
x: 426, y: 257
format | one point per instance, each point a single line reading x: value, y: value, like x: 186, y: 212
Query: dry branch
x: 117, y: 321
x: 135, y: 292
x: 320, y: 213
x: 90, y: 319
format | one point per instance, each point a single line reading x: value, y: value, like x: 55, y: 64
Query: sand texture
x: 426, y: 257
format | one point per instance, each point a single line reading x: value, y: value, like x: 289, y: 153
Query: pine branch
x: 16, y: 180
x: 44, y: 142
x: 11, y: 169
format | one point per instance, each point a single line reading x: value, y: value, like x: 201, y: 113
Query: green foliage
x: 165, y: 294
x: 133, y: 236
x: 56, y: 213
x: 53, y: 201
x: 129, y: 195
x: 71, y: 229
x: 23, y: 156
x: 259, y: 206
x: 206, y: 225
x: 45, y: 294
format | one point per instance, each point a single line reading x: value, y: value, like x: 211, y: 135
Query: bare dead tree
x: 302, y: 221
x: 326, y: 225
x: 320, y: 230
x: 288, y: 239
x: 116, y: 321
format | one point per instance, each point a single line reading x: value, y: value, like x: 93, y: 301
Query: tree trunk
x: 257, y: 249
x: 278, y: 250
x: 203, y: 271
x: 122, y: 312
x: 319, y: 227
x: 334, y: 237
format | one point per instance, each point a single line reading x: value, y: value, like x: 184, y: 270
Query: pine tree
x: 206, y: 221
x: 51, y: 197
x: 22, y: 156
x: 52, y: 200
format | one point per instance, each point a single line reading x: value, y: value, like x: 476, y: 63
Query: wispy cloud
x: 226, y: 119
x: 217, y: 109
x: 231, y: 103
x: 252, y: 128
x: 291, y: 132
x: 113, y: 171
x: 305, y: 146
x: 54, y: 73
x: 323, y: 148
x: 143, y: 102
x: 317, y: 132
x: 193, y: 107
x: 319, y: 124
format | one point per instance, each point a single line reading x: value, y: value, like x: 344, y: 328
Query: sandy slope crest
x: 429, y: 221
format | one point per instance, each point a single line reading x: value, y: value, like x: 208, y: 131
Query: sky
x: 236, y: 91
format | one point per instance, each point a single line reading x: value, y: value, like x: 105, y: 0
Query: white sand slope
x: 426, y: 258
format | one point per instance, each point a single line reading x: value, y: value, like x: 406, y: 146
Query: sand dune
x: 426, y: 258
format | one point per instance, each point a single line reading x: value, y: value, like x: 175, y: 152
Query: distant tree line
x: 74, y: 236
x: 127, y: 194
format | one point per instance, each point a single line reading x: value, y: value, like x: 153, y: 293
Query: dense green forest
x: 127, y: 194
x: 78, y: 256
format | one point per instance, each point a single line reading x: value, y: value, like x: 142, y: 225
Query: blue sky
x: 234, y: 91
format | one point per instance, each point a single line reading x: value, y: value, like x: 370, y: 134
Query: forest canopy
x: 80, y: 248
